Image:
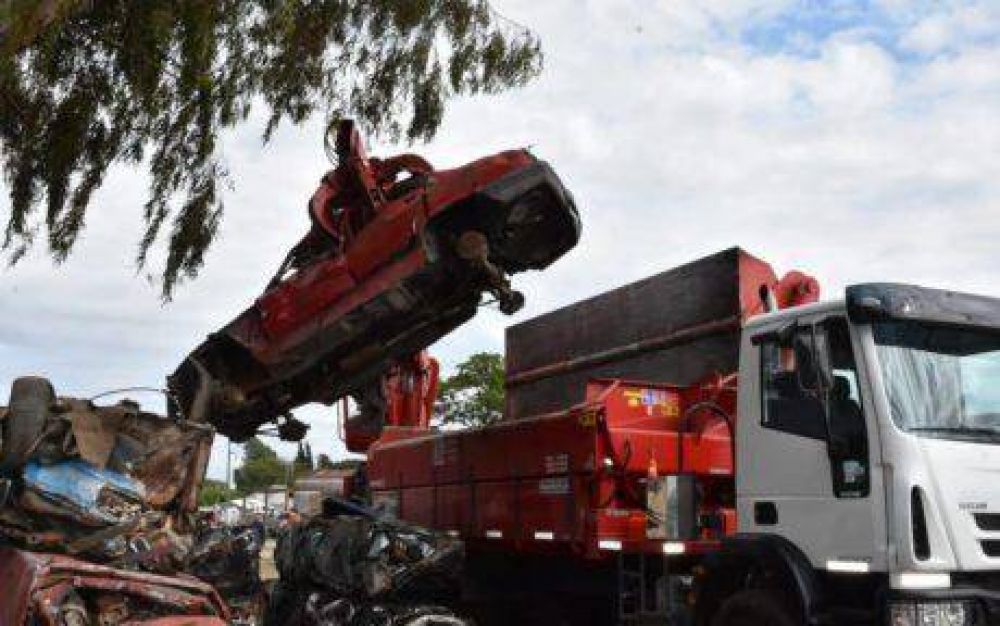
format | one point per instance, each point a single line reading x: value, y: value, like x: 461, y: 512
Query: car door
x: 805, y: 466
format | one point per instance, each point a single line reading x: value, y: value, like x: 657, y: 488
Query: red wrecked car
x: 55, y: 590
x: 399, y: 255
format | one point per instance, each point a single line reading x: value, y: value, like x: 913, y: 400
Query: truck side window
x: 793, y: 397
x: 848, y: 435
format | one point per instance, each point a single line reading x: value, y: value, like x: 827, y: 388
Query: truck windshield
x: 941, y: 381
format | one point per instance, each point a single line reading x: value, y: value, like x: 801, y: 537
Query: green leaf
x: 87, y: 85
x: 474, y: 395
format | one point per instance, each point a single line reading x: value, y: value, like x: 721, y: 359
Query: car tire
x: 754, y: 608
x: 31, y: 400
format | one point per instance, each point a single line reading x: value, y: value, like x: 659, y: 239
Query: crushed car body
x: 96, y: 513
x: 352, y: 567
x: 107, y: 482
x: 391, y: 265
x: 57, y: 590
x: 77, y: 491
x: 229, y: 559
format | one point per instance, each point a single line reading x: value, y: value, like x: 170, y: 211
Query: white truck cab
x: 868, y: 454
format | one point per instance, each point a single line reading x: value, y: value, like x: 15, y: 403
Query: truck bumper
x: 980, y: 607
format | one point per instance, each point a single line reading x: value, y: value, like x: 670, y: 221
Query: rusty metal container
x: 677, y: 327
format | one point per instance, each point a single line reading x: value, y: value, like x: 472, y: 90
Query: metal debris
x: 104, y: 482
x: 96, y: 506
x: 229, y: 559
x: 57, y: 590
x: 353, y: 568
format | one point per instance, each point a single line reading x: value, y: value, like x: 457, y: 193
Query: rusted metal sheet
x: 41, y: 585
x: 674, y: 327
x: 185, y: 621
x: 17, y: 577
x: 95, y: 432
x: 113, y: 484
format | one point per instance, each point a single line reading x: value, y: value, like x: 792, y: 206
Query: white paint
x: 848, y: 567
x: 921, y: 580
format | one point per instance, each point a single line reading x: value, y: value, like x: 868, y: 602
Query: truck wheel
x: 31, y: 398
x: 754, y: 608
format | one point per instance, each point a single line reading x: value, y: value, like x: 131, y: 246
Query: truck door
x: 805, y: 466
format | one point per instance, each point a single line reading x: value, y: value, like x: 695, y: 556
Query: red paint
x: 35, y: 583
x: 410, y: 387
x: 548, y: 474
x: 566, y: 481
x: 376, y: 257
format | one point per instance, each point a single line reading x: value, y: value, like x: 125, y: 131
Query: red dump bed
x: 585, y: 460
x: 551, y: 481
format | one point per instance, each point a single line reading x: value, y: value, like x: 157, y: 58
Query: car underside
x: 417, y: 268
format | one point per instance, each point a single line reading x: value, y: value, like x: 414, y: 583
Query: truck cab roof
x: 767, y: 319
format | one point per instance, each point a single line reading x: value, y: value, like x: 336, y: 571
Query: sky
x: 853, y: 140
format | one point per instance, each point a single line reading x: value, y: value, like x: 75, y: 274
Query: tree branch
x: 24, y: 24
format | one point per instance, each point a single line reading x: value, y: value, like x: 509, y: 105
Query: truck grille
x: 991, y: 548
x: 988, y: 521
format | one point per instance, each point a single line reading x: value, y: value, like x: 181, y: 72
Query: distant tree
x: 85, y: 85
x: 261, y: 468
x: 474, y: 396
x: 255, y: 449
x: 324, y: 462
x: 215, y: 491
x: 302, y: 465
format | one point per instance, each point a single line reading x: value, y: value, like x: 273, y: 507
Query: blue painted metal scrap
x: 77, y: 487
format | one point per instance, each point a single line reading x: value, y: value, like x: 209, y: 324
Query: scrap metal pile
x: 57, y: 590
x: 399, y: 255
x: 228, y: 557
x: 96, y: 511
x: 114, y: 482
x: 97, y: 526
x: 351, y: 567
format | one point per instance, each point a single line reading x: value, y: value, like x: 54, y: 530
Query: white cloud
x: 852, y: 162
x: 953, y: 27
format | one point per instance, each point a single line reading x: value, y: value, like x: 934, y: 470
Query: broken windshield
x: 941, y: 381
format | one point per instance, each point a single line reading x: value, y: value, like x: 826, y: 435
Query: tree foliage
x: 213, y: 492
x: 324, y: 462
x: 474, y: 395
x: 262, y: 467
x: 303, y: 464
x: 85, y: 85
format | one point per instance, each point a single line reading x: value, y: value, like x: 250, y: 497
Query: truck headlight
x: 946, y: 613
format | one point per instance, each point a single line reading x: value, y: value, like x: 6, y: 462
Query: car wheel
x: 754, y: 608
x: 31, y: 399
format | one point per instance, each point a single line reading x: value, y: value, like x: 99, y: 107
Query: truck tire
x: 754, y: 608
x: 31, y: 398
